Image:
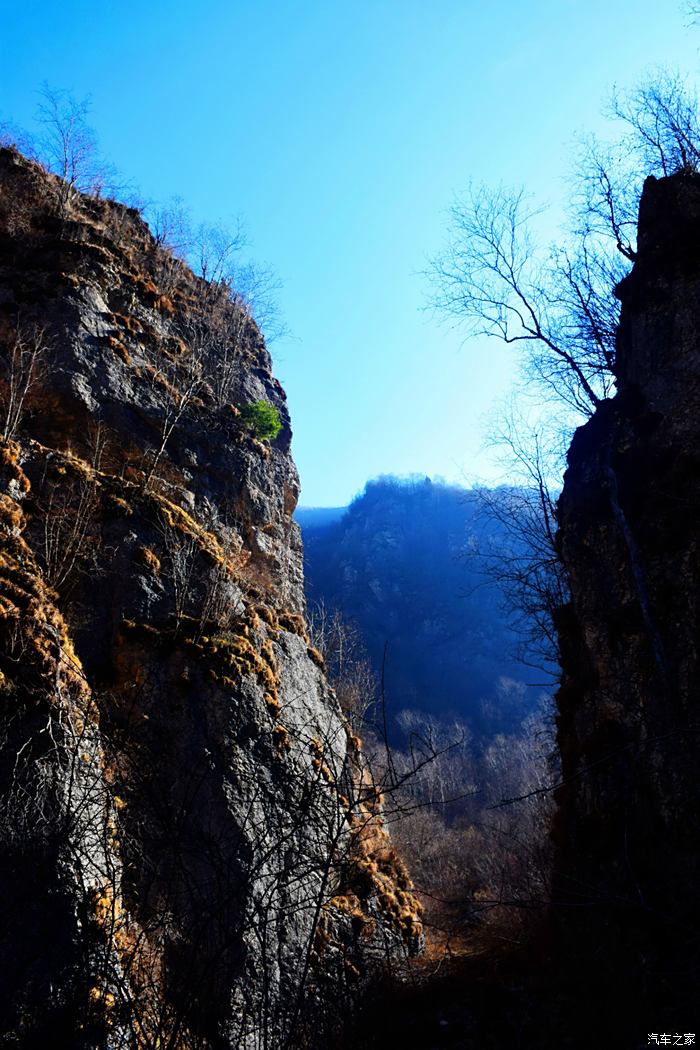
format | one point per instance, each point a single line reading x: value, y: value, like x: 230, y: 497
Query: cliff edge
x: 192, y: 850
x: 627, y: 863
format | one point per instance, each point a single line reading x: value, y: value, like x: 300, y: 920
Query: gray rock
x: 172, y: 726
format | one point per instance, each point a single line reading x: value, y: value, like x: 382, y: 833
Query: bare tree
x: 491, y: 279
x: 172, y: 231
x: 13, y: 136
x: 520, y: 555
x: 182, y: 556
x: 473, y: 824
x: 662, y: 128
x: 256, y: 290
x: 558, y: 305
x: 69, y: 516
x: 68, y: 144
x: 172, y: 228
x: 346, y: 659
x: 213, y: 250
x: 216, y: 340
x: 25, y: 363
x: 176, y: 383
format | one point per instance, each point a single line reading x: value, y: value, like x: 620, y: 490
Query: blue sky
x: 340, y: 132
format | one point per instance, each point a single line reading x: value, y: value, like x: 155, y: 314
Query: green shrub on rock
x: 262, y: 419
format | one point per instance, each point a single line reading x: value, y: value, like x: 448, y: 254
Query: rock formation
x: 628, y: 861
x: 192, y: 854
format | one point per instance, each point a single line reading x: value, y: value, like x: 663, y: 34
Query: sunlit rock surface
x: 190, y: 856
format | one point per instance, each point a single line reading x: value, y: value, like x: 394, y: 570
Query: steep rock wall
x: 192, y: 853
x: 627, y: 865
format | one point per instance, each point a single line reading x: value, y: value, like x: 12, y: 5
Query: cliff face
x: 628, y: 706
x: 192, y: 854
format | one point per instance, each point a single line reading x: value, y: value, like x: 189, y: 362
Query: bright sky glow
x: 340, y: 132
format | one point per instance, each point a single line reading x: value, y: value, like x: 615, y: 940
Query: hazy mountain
x: 312, y: 517
x: 400, y: 564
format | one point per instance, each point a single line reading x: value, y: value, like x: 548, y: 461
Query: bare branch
x: 24, y: 365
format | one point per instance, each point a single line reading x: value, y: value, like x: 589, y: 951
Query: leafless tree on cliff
x: 662, y: 127
x: 68, y: 144
x: 216, y: 340
x: 172, y: 232
x: 175, y: 383
x: 12, y: 136
x: 348, y: 665
x: 556, y: 307
x: 256, y: 290
x: 171, y: 227
x: 558, y: 304
x: 181, y: 557
x: 68, y: 518
x: 25, y: 364
x: 524, y: 561
x: 214, y: 248
x: 215, y: 255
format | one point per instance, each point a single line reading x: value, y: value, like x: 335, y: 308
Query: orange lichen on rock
x: 280, y: 735
x: 120, y: 504
x: 178, y: 518
x: 28, y: 615
x: 377, y: 871
x: 150, y: 559
x: 11, y: 516
x: 273, y: 704
x: 318, y: 753
x: 374, y: 871
x: 316, y: 656
x: 10, y: 453
x: 119, y: 348
x: 293, y: 622
x: 267, y: 615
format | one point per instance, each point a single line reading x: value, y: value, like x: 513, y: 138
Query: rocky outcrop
x: 192, y: 854
x: 627, y: 866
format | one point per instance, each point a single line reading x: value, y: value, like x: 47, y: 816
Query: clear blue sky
x: 340, y: 131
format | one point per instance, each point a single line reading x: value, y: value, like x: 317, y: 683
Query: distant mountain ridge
x: 310, y: 517
x: 398, y: 564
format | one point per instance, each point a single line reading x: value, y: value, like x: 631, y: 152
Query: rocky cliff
x: 628, y: 726
x: 192, y: 852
